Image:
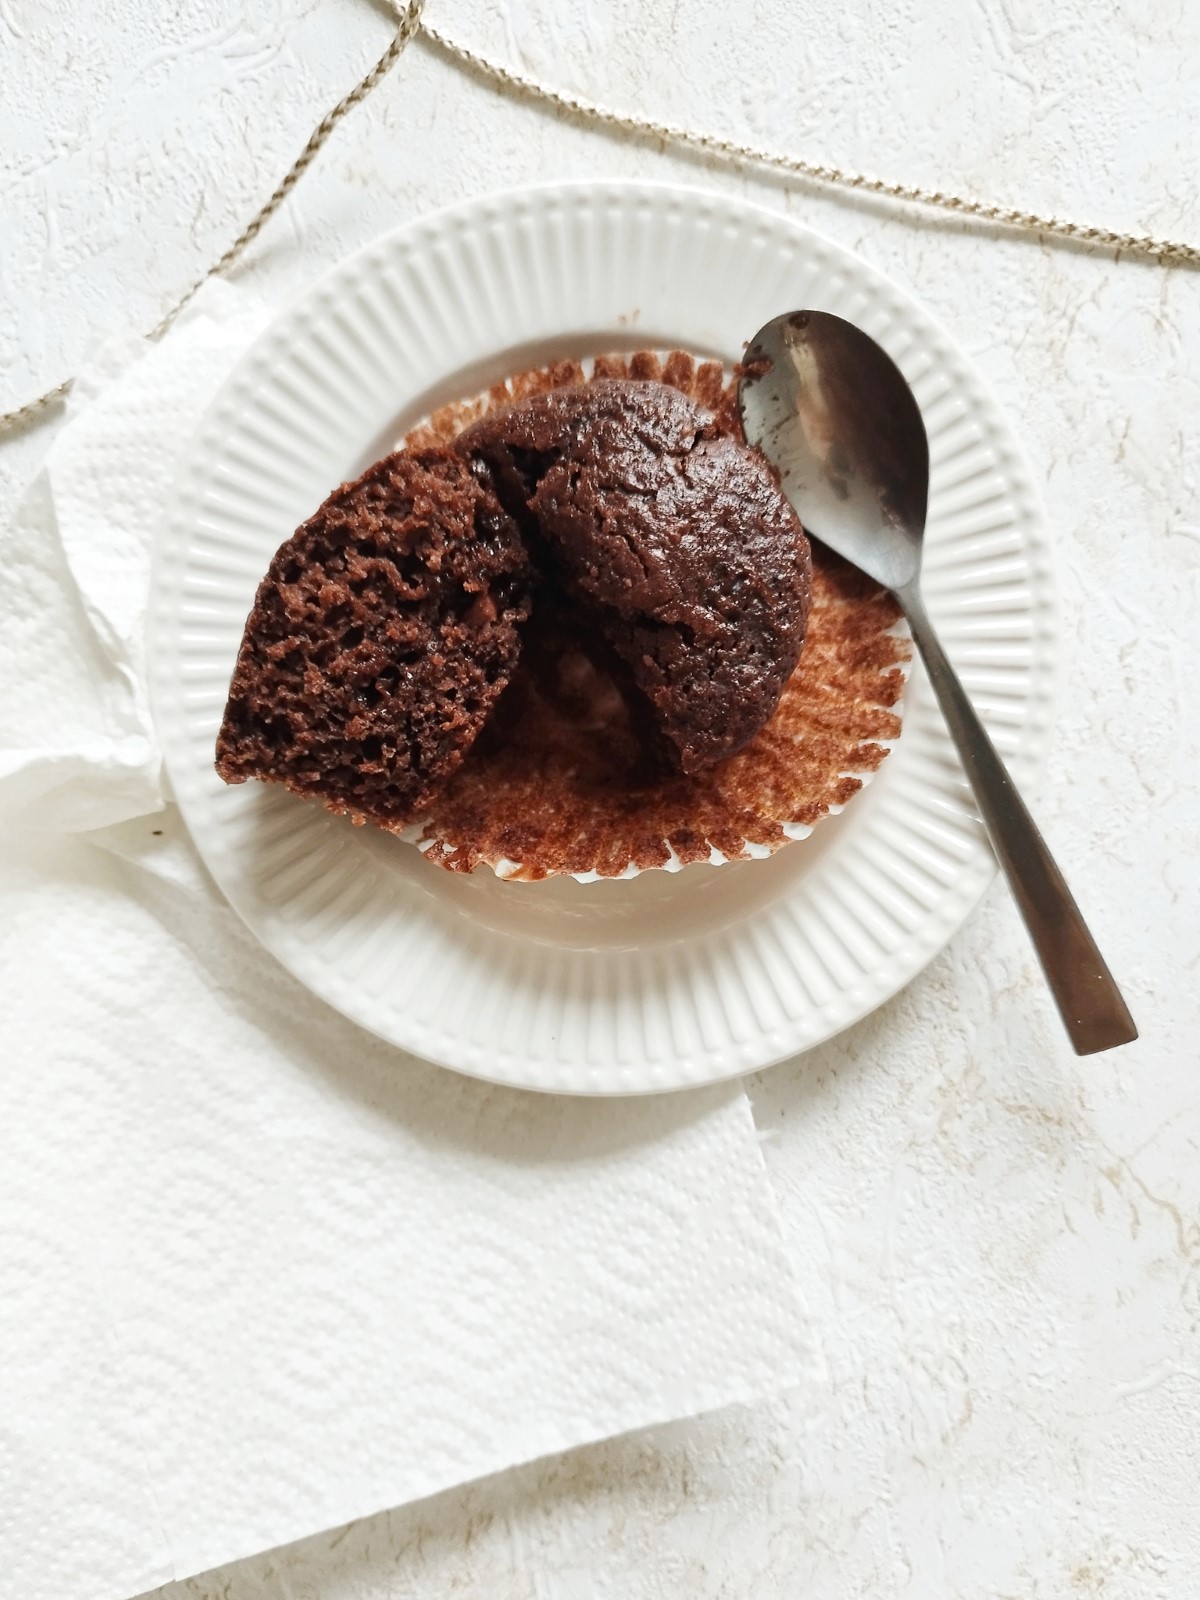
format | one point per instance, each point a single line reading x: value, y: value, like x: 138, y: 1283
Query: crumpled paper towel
x: 259, y: 1272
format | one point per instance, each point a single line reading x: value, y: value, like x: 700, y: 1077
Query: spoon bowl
x: 833, y: 413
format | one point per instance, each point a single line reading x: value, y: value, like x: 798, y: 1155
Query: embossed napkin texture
x: 261, y: 1273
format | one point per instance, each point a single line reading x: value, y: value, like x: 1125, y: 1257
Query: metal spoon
x: 833, y: 412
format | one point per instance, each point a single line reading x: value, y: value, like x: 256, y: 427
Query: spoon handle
x: 1091, y: 1006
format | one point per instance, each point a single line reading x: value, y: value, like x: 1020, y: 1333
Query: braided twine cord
x: 410, y: 21
x: 1167, y: 252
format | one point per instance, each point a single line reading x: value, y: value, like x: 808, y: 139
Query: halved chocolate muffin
x: 565, y: 639
x: 672, y: 541
x: 383, y: 633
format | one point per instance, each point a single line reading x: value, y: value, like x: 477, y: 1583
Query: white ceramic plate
x: 618, y: 987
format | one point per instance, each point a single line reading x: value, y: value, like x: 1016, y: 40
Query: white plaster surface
x: 1000, y: 1244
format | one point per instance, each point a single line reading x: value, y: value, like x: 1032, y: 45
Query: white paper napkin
x: 259, y: 1272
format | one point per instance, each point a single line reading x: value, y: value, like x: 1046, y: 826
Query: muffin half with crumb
x: 383, y: 633
x: 671, y: 540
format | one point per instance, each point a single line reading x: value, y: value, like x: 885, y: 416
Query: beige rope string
x: 1170, y: 252
x: 410, y: 21
x: 1167, y: 252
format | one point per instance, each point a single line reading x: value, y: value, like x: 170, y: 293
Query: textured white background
x: 1001, y: 1244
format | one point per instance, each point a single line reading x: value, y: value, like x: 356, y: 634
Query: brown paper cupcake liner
x: 556, y: 784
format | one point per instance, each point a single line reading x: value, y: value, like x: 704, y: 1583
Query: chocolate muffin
x: 382, y: 635
x: 672, y: 539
